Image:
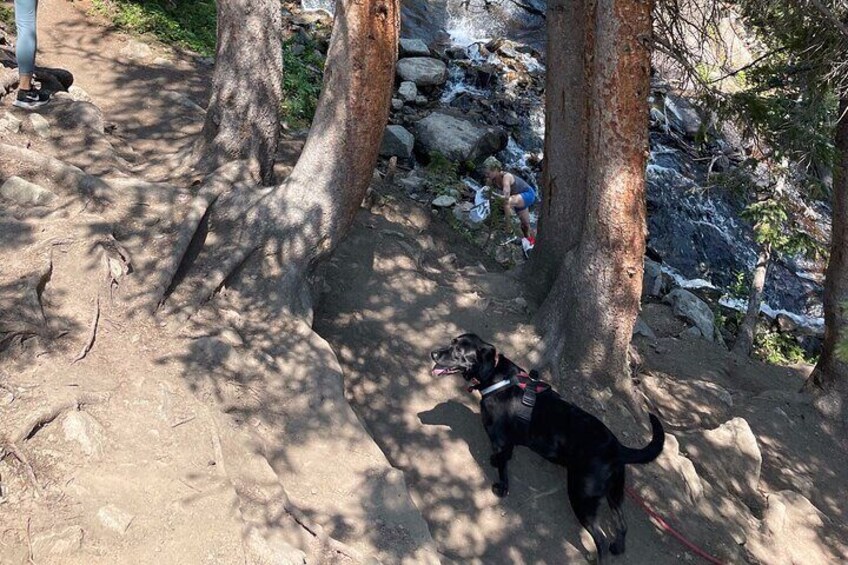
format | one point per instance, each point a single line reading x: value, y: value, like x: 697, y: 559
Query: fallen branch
x: 92, y: 331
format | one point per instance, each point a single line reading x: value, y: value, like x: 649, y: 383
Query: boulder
x: 458, y: 139
x: 688, y: 306
x: 730, y: 457
x: 413, y: 48
x: 654, y: 281
x: 684, y: 116
x: 423, y: 71
x: 135, y: 49
x: 398, y: 142
x: 26, y: 193
x: 643, y: 329
x: 407, y: 91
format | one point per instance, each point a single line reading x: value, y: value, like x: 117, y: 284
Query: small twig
x: 92, y: 330
x: 183, y: 421
x: 12, y: 449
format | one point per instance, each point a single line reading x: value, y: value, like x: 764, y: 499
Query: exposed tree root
x: 61, y: 173
x: 34, y: 422
x: 92, y: 331
x: 12, y: 449
x: 213, y: 186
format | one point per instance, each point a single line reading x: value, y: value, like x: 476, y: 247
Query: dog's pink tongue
x: 438, y: 371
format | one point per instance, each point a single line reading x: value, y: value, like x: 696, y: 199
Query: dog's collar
x: 497, y: 386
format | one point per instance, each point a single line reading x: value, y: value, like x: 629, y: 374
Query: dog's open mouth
x: 440, y: 370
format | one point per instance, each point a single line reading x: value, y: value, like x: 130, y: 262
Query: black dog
x: 558, y: 431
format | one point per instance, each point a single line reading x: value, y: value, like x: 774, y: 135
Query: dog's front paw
x: 500, y: 490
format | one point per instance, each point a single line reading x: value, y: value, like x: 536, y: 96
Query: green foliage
x: 185, y: 23
x: 772, y: 227
x: 442, y: 175
x: 303, y: 75
x: 741, y: 285
x: 779, y: 348
x: 7, y: 17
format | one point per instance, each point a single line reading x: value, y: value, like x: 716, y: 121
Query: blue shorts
x: 529, y: 197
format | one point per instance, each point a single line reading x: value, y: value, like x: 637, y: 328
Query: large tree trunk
x: 747, y: 331
x: 564, y: 166
x: 304, y: 218
x: 242, y: 118
x: 831, y: 373
x: 589, y: 313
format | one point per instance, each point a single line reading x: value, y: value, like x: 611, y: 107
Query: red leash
x: 664, y: 525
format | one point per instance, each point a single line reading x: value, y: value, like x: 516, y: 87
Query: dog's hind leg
x: 585, y: 507
x: 499, y: 460
x: 615, y: 498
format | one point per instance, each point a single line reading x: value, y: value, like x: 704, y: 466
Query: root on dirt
x: 92, y: 331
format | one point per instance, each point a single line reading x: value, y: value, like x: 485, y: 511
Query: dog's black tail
x: 649, y: 452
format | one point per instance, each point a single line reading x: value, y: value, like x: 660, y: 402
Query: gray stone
x: 114, y: 518
x: 654, y: 282
x: 136, y: 50
x: 688, y: 306
x: 40, y: 125
x: 410, y: 183
x: 443, y: 201
x: 643, y: 329
x: 79, y: 94
x: 413, y: 48
x: 684, y: 116
x: 407, y: 91
x: 10, y: 123
x: 82, y: 428
x: 397, y: 103
x: 423, y: 71
x: 47, y: 546
x: 26, y: 193
x: 421, y: 100
x: 456, y: 138
x: 397, y: 141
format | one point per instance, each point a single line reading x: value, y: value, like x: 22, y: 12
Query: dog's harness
x: 531, y: 387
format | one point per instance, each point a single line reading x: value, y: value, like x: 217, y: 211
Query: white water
x: 741, y: 305
x: 328, y: 6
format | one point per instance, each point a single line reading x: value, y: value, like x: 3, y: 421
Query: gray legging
x: 27, y: 43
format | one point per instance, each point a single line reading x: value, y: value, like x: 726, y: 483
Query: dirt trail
x: 142, y: 88
x: 403, y: 284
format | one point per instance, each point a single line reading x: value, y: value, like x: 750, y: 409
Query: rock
x: 407, y: 91
x: 413, y: 48
x: 690, y: 307
x: 685, y: 117
x: 641, y: 328
x: 47, y: 546
x: 411, y: 183
x: 443, y: 201
x: 786, y: 324
x: 687, y: 403
x: 397, y: 104
x: 114, y: 518
x: 457, y: 139
x: 161, y: 62
x: 26, y: 193
x: 792, y: 532
x: 182, y: 100
x: 730, y: 456
x: 272, y: 552
x: 654, y: 281
x: 136, y: 50
x: 423, y: 71
x: 421, y: 100
x: 397, y: 141
x: 10, y: 123
x: 40, y: 125
x: 79, y: 94
x: 673, y: 459
x: 82, y: 428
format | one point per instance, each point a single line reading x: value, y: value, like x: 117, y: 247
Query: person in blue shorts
x: 28, y: 97
x: 517, y: 193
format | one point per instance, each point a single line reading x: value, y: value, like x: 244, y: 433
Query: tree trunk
x: 305, y: 217
x: 747, y: 331
x: 831, y: 373
x: 589, y: 313
x: 242, y: 118
x: 564, y: 166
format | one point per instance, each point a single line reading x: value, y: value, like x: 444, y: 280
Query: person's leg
x: 514, y: 204
x: 526, y: 228
x: 27, y: 42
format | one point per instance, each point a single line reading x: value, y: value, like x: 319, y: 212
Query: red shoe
x: 531, y: 239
